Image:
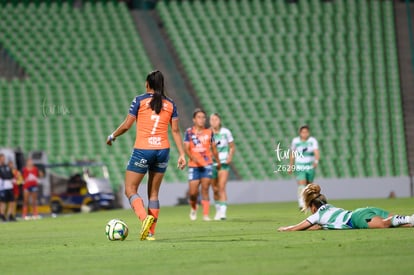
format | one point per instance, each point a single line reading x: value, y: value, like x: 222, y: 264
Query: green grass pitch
x: 247, y: 243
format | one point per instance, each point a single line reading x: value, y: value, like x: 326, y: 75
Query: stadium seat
x: 318, y: 55
x: 332, y: 65
x: 86, y: 61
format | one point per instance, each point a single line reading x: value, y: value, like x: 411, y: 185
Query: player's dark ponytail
x: 155, y: 81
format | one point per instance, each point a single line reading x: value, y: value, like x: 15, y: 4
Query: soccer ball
x: 116, y: 230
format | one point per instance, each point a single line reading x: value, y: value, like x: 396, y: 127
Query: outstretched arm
x: 175, y: 130
x: 125, y: 125
x: 315, y: 227
x: 304, y: 225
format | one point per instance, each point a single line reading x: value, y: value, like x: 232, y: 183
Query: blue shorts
x: 197, y: 173
x: 154, y: 160
x: 32, y: 189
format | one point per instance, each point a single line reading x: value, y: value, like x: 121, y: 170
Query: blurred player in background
x: 7, y: 201
x: 30, y: 188
x: 153, y: 112
x: 327, y: 216
x: 226, y: 148
x: 17, y: 184
x: 304, y: 158
x: 199, y: 146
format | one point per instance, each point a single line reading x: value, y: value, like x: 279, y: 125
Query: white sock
x: 217, y: 206
x: 223, y: 210
x: 399, y: 220
x: 300, y: 200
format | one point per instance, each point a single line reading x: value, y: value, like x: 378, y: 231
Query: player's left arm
x: 317, y: 154
x: 175, y: 130
x: 304, y: 225
x: 125, y: 125
x: 215, y: 154
x: 291, y: 157
x: 315, y: 227
x: 41, y: 174
x: 232, y: 149
x: 316, y: 162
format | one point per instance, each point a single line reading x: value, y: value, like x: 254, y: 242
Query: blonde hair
x: 311, y: 195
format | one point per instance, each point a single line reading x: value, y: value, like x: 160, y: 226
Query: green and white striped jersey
x: 304, y: 152
x: 222, y: 139
x: 331, y: 217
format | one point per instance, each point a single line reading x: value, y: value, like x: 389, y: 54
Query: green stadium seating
x: 331, y: 65
x: 268, y: 66
x: 88, y: 62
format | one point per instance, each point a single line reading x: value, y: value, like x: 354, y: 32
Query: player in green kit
x: 327, y: 216
x: 304, y: 158
x: 226, y: 148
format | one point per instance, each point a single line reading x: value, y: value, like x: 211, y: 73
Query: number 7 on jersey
x: 157, y: 119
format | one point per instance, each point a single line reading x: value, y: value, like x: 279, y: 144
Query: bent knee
x: 193, y: 197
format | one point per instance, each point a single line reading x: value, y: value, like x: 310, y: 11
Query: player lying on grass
x: 327, y: 216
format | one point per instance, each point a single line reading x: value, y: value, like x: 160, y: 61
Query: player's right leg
x: 193, y: 186
x: 25, y: 203
x: 33, y: 196
x: 11, y: 206
x: 155, y: 176
x: 301, y: 186
x: 205, y: 199
x: 383, y: 219
x: 16, y: 197
x: 194, y: 177
x: 136, y: 170
x: 132, y: 181
x: 373, y: 217
x: 216, y: 193
x: 223, y: 176
x: 402, y: 221
x: 154, y: 184
x: 301, y: 179
x: 3, y: 205
x: 378, y: 222
x: 12, y: 214
x: 310, y: 175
